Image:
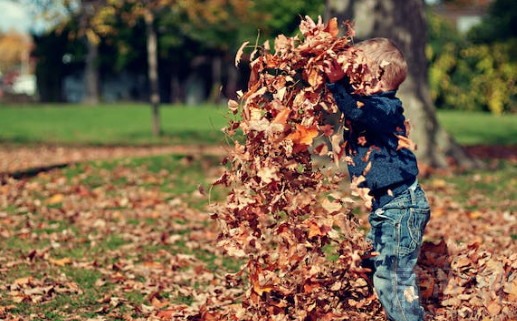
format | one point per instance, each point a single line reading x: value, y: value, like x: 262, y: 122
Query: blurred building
x: 464, y: 14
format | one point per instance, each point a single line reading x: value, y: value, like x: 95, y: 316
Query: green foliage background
x: 476, y: 71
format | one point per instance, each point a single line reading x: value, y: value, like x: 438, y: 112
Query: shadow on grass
x: 136, y: 138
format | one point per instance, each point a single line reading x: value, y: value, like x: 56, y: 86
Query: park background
x: 110, y: 131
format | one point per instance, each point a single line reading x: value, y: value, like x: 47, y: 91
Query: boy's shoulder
x: 388, y: 98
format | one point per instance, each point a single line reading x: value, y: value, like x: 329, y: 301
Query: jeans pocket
x: 411, y: 229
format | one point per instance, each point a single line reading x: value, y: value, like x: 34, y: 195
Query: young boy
x: 374, y: 125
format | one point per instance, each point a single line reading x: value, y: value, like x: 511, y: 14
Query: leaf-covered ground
x: 132, y: 239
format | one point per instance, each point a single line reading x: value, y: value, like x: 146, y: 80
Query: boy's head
x: 385, y: 57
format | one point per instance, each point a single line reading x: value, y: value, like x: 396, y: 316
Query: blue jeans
x: 396, y: 234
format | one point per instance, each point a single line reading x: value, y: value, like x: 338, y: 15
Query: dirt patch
x: 490, y: 152
x: 15, y: 159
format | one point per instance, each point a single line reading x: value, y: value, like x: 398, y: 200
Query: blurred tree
x: 477, y: 71
x: 404, y: 22
x: 220, y: 27
x: 79, y: 18
x: 50, y: 68
x: 500, y: 24
x: 14, y: 51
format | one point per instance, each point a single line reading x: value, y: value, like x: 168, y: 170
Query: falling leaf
x: 332, y: 27
x: 233, y: 106
x: 240, y: 53
x: 282, y: 116
x: 304, y: 135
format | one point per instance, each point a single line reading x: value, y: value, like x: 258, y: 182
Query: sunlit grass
x: 111, y: 125
x: 476, y: 128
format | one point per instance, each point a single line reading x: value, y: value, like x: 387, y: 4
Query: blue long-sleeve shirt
x: 372, y: 126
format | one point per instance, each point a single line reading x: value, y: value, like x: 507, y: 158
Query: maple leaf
x: 304, y: 135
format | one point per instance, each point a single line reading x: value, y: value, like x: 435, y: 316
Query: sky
x: 13, y: 16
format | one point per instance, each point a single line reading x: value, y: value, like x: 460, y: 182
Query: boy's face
x: 374, y: 83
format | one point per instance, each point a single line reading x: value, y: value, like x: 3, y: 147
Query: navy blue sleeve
x: 346, y: 103
x: 375, y: 112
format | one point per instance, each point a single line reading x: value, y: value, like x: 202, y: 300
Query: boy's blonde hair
x: 385, y: 57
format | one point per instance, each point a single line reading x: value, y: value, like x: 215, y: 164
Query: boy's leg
x: 396, y: 234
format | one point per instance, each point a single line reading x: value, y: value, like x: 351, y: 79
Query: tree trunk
x: 152, y: 60
x: 217, y: 79
x: 233, y: 82
x: 403, y: 21
x: 91, y: 70
x: 175, y: 89
x: 91, y: 73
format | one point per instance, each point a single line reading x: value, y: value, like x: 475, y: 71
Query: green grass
x: 130, y: 124
x: 476, y: 128
x: 110, y: 124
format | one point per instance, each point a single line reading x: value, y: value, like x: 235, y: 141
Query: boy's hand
x: 333, y: 71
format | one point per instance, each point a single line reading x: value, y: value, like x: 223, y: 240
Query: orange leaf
x: 304, y: 135
x: 61, y: 262
x: 55, y: 199
x: 311, y: 286
x: 257, y: 287
x: 494, y: 308
x: 426, y: 287
x: 316, y: 230
x: 165, y: 314
x: 332, y: 27
x: 281, y: 117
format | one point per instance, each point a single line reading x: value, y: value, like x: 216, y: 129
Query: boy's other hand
x: 333, y: 71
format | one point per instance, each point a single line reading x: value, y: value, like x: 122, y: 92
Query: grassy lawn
x: 111, y: 124
x: 475, y: 128
x: 131, y: 125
